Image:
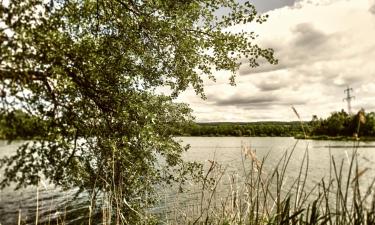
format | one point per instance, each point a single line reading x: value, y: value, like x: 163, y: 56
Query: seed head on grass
x: 300, y: 120
x: 251, y: 155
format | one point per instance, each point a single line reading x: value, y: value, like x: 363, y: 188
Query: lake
x: 227, y: 151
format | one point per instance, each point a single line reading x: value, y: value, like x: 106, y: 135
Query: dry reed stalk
x: 19, y: 217
x: 251, y: 154
x: 104, y: 217
x: 50, y: 211
x: 90, y: 213
x: 37, y: 204
x: 359, y: 174
x: 300, y: 120
x: 361, y: 119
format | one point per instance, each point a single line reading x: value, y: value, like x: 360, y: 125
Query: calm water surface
x: 225, y: 150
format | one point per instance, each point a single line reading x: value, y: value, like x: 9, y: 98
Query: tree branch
x: 11, y: 75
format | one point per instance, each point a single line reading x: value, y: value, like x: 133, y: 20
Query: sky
x: 322, y: 46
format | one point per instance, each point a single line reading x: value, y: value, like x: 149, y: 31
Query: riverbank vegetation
x: 90, y: 71
x: 257, y: 194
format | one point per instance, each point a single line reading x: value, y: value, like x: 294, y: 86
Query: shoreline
x: 335, y: 138
x: 299, y: 136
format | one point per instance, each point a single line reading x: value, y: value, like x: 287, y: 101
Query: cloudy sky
x: 322, y: 46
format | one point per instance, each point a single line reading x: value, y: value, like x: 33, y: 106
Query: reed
x: 268, y: 197
x: 257, y: 195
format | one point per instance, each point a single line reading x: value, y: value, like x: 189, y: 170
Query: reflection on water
x: 52, y: 203
x: 224, y: 150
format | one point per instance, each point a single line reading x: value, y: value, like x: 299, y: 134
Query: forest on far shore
x: 252, y: 129
x: 339, y: 123
x: 19, y: 125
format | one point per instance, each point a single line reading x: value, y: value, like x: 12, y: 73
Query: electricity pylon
x: 349, y: 98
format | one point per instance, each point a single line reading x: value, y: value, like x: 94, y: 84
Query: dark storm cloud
x: 271, y: 106
x: 260, y: 101
x: 262, y: 106
x: 270, y: 86
x: 246, y: 100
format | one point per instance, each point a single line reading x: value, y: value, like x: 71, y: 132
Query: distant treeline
x: 341, y: 123
x: 338, y: 124
x: 20, y: 125
x: 260, y: 129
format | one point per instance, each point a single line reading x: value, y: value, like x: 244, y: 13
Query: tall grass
x: 259, y: 195
x: 268, y: 197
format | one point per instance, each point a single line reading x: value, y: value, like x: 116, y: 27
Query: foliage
x: 255, y: 129
x: 343, y: 124
x: 18, y: 124
x: 90, y: 69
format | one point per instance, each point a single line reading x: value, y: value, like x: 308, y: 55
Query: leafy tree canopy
x: 344, y: 124
x: 88, y: 71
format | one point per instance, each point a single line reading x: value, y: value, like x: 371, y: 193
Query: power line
x: 349, y: 98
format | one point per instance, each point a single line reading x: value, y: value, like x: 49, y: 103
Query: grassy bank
x: 261, y: 196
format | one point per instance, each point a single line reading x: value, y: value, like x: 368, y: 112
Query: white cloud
x: 322, y: 47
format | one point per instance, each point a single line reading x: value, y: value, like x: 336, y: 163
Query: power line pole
x: 349, y: 98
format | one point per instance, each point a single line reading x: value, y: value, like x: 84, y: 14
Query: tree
x: 369, y: 126
x: 18, y: 124
x: 88, y: 70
